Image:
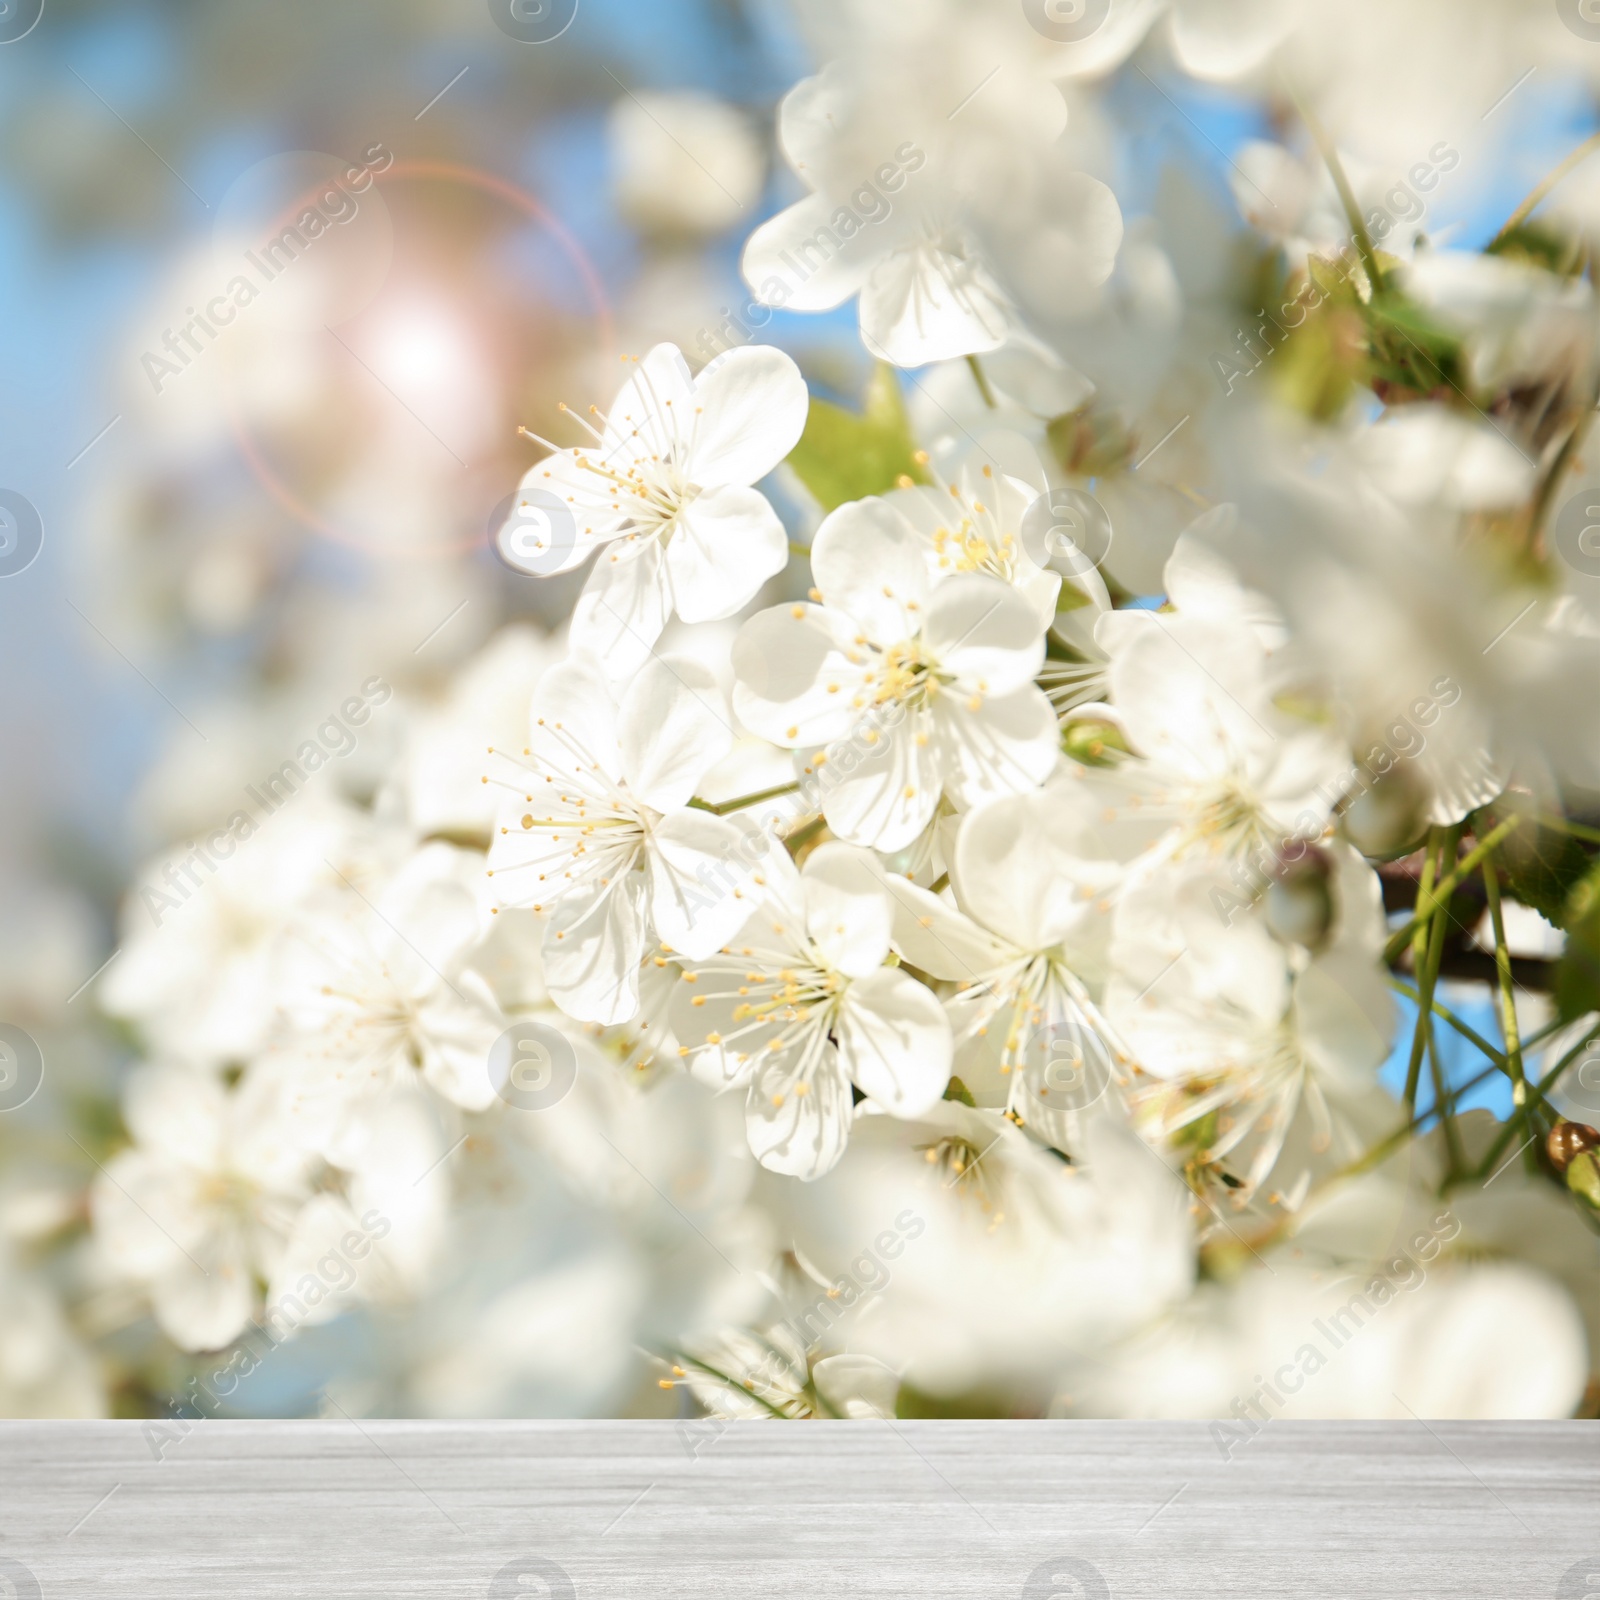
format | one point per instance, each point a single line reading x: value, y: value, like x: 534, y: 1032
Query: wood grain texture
x: 654, y: 1511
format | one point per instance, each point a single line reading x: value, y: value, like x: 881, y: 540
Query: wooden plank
x: 652, y: 1511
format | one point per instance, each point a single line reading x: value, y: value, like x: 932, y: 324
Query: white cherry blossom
x: 1028, y: 952
x: 931, y: 682
x: 664, y: 494
x: 802, y: 1006
x: 204, y: 1201
x: 917, y: 181
x: 947, y: 845
x: 1219, y: 767
x: 1237, y: 1017
x: 975, y: 524
x: 597, y: 831
x: 377, y: 988
x: 202, y: 930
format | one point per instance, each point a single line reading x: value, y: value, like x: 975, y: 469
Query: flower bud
x: 1388, y: 819
x: 1300, y: 901
x: 1569, y: 1140
x: 1583, y: 1177
x: 1093, y: 742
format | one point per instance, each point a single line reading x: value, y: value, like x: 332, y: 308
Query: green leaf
x: 957, y: 1090
x: 1070, y: 597
x: 1539, y: 244
x: 847, y: 455
x: 1393, y: 313
x: 914, y: 1404
x: 1542, y: 865
x: 1334, y: 278
x: 1578, y: 975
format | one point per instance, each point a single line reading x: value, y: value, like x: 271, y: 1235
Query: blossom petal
x: 592, y: 949
x: 1109, y: 44
x: 574, y: 718
x: 456, y: 1030
x: 809, y: 116
x: 562, y: 512
x: 674, y: 725
x: 1074, y: 250
x: 429, y: 913
x: 938, y: 939
x: 985, y: 632
x: 870, y: 562
x: 701, y: 886
x: 1307, y: 771
x: 895, y: 1042
x: 654, y: 410
x: 858, y: 1387
x: 786, y: 664
x: 796, y: 259
x: 751, y: 410
x: 623, y: 608
x: 726, y: 544
x: 1191, y: 693
x: 800, y: 1135
x: 1015, y: 872
x: 882, y: 788
x: 204, y: 1306
x: 1222, y: 39
x: 1007, y: 746
x: 932, y: 302
x: 847, y: 917
x: 1344, y: 1014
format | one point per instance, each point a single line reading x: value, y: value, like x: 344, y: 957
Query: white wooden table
x: 651, y: 1511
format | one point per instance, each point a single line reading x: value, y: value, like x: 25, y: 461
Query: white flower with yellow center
x: 203, y: 1202
x: 802, y: 1006
x: 376, y: 989
x: 975, y: 525
x: 1027, y: 951
x: 1044, y: 546
x: 1247, y: 1017
x: 201, y: 933
x: 1220, y: 769
x: 663, y: 492
x: 965, y: 161
x: 920, y: 688
x: 597, y: 829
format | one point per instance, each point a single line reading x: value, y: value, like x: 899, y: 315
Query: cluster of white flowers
x: 948, y: 945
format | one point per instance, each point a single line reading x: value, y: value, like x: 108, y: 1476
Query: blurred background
x: 253, y: 500
x: 245, y: 521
